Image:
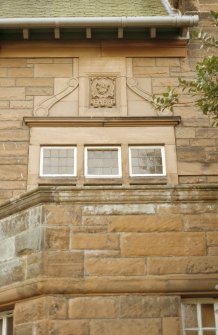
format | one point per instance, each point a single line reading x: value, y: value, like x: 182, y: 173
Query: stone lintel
x: 102, y: 121
x: 111, y: 195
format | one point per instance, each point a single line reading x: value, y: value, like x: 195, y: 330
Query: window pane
x: 191, y: 332
x: 208, y: 317
x: 1, y: 325
x: 191, y: 316
x: 9, y: 326
x: 58, y: 161
x: 102, y: 162
x: 146, y: 161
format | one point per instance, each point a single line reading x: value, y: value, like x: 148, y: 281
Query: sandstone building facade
x: 108, y: 215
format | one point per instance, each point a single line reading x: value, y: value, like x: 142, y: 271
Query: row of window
x: 199, y: 318
x: 103, y: 162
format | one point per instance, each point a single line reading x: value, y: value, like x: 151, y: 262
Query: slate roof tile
x: 79, y: 8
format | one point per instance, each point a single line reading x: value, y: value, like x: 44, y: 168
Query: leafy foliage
x: 205, y: 85
x: 166, y: 101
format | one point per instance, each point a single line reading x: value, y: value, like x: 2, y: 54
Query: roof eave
x: 182, y: 21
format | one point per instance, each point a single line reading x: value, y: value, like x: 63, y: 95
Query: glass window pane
x: 190, y: 316
x: 208, y: 317
x: 209, y: 332
x: 191, y: 332
x: 58, y: 161
x: 9, y: 326
x: 1, y: 325
x: 146, y: 161
x: 102, y: 162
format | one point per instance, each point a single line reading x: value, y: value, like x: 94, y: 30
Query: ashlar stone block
x: 163, y: 244
x: 93, y: 308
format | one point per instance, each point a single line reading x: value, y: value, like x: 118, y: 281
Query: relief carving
x: 132, y: 84
x: 43, y: 108
x: 102, y: 92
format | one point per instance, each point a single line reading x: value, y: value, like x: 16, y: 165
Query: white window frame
x: 198, y: 303
x: 118, y: 148
x: 147, y: 174
x: 74, y: 174
x: 4, y: 316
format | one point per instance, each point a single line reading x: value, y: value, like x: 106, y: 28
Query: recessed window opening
x: 200, y: 318
x: 147, y: 161
x: 58, y: 161
x: 103, y: 162
x: 6, y: 323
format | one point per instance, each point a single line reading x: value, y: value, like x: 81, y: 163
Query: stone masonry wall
x: 196, y: 141
x: 23, y: 79
x: 93, y: 267
x: 98, y: 315
x: 134, y: 241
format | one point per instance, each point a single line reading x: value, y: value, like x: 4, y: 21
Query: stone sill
x: 111, y: 194
x: 73, y: 181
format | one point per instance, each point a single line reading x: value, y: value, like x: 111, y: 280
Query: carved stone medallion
x: 102, y: 92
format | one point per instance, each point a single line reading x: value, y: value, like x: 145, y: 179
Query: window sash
x: 4, y: 318
x: 74, y: 174
x: 109, y: 148
x: 200, y: 329
x: 147, y: 174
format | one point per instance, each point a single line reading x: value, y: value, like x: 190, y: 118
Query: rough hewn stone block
x: 35, y: 82
x: 20, y: 72
x: 93, y: 307
x: 14, y: 135
x: 115, y: 266
x: 15, y: 93
x: 12, y: 271
x: 13, y: 172
x: 53, y: 70
x: 201, y: 222
x: 167, y: 62
x: 149, y: 306
x: 57, y: 238
x: 119, y: 209
x: 94, y: 241
x: 68, y: 327
x: 10, y: 62
x: 39, y: 91
x: 60, y: 214
x: 182, y: 265
x: 191, y: 154
x: 185, y: 132
x: 171, y: 326
x: 207, y: 132
x: 163, y: 244
x: 127, y: 327
x: 13, y: 149
x: 143, y: 61
x: 64, y: 264
x: 145, y: 223
x: 7, y: 249
x: 29, y: 241
x: 212, y: 238
x: 39, y: 328
x: 7, y: 82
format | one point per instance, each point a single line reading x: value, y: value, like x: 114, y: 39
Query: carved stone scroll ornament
x: 102, y: 92
x: 132, y: 84
x: 42, y: 109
